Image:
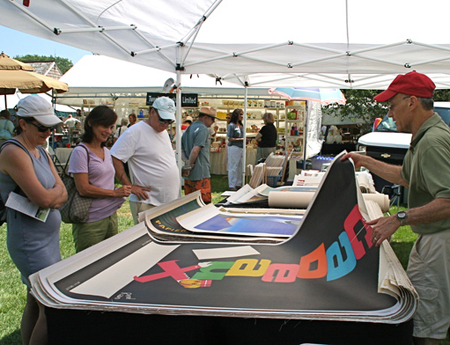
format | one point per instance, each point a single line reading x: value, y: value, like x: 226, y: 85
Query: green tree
x: 442, y: 95
x: 361, y: 105
x: 63, y: 63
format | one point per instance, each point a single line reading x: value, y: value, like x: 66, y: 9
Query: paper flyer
x: 25, y: 206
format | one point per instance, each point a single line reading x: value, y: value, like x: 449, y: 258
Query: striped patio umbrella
x: 324, y: 96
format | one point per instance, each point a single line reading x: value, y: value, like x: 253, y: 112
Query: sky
x: 13, y: 43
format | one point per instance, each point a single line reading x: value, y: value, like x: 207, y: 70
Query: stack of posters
x: 328, y: 269
x: 301, y: 193
x: 247, y: 195
x: 188, y: 219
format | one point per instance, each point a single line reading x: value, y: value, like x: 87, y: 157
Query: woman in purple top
x: 93, y: 172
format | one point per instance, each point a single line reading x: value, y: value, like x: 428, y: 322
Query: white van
x: 388, y: 145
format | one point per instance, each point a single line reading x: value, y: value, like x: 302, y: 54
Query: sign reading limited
x: 187, y: 99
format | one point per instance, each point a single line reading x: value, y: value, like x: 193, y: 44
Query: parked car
x: 387, y: 144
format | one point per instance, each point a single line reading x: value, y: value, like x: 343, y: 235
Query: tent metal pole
x: 305, y: 133
x: 54, y: 129
x: 244, y: 151
x: 178, y: 130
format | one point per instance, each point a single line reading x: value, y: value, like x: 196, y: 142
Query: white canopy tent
x: 13, y: 99
x: 107, y: 79
x: 103, y: 76
x: 323, y: 43
x: 293, y: 42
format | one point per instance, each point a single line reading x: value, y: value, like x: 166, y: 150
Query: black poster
x: 328, y: 266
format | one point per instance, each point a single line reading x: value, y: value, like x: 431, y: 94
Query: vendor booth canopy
x: 324, y: 43
x: 103, y: 76
x: 12, y: 100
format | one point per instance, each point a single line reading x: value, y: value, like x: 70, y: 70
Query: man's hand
x: 383, y: 228
x: 186, y: 170
x: 140, y: 192
x: 356, y: 157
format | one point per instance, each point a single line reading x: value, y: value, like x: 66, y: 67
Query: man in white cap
x: 195, y: 145
x: 147, y: 148
x: 425, y: 172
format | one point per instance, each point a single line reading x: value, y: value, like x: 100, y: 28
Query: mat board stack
x: 327, y: 269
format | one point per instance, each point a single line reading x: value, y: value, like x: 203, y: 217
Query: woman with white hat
x: 26, y: 168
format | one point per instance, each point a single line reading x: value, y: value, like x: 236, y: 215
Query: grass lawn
x: 13, y: 292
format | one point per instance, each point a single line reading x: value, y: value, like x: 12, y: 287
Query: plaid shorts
x: 204, y: 186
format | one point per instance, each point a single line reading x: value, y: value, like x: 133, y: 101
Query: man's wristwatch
x: 402, y: 216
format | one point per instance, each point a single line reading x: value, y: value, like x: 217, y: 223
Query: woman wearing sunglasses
x: 27, y: 170
x: 93, y: 171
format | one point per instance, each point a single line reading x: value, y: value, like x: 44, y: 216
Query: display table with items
x: 218, y: 159
x: 63, y: 154
x: 198, y: 274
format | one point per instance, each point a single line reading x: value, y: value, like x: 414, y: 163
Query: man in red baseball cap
x: 412, y: 83
x: 425, y: 171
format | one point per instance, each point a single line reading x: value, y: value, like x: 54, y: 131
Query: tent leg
x: 178, y: 130
x: 244, y: 151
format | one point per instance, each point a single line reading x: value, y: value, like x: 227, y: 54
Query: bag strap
x: 68, y: 159
x: 18, y: 144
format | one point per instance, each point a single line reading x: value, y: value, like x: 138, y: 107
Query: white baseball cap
x: 165, y: 107
x: 38, y: 108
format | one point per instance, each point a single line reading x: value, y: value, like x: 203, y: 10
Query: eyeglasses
x: 162, y: 121
x: 42, y: 128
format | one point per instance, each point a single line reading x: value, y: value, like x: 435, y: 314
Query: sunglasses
x: 42, y: 128
x: 164, y: 122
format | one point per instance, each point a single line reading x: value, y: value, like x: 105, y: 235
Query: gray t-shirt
x: 197, y: 134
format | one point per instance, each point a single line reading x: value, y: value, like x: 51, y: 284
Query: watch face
x: 401, y: 215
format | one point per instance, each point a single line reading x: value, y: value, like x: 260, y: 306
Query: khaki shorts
x: 429, y: 272
x: 136, y: 208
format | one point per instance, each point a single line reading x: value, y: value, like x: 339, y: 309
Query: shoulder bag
x: 76, y: 208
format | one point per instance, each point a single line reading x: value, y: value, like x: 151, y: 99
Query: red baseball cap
x: 412, y: 83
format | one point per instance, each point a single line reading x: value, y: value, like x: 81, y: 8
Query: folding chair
x: 394, y: 192
x: 56, y: 162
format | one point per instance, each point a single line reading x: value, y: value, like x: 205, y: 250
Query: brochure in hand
x: 25, y: 206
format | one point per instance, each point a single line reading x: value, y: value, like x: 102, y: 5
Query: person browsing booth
x: 26, y: 169
x: 195, y: 146
x: 425, y: 172
x: 147, y: 148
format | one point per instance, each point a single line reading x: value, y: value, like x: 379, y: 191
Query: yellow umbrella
x: 30, y: 82
x: 15, y: 74
x: 7, y: 63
